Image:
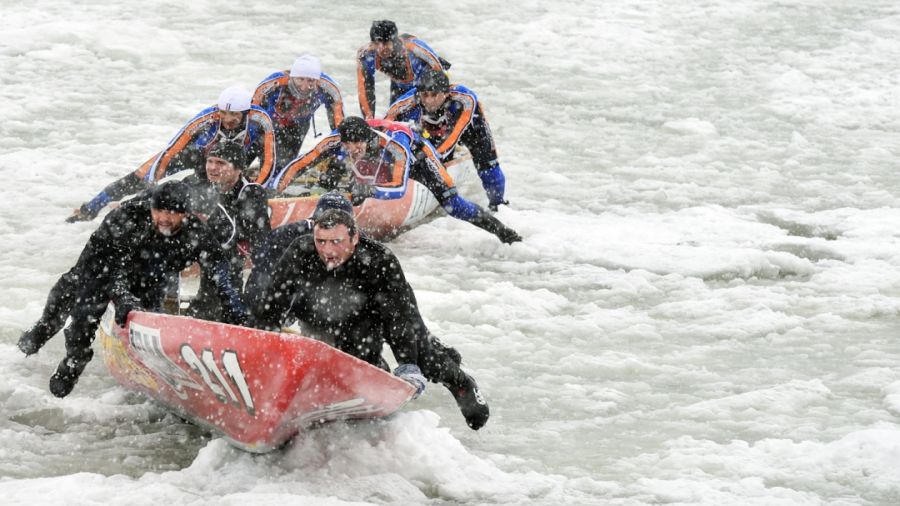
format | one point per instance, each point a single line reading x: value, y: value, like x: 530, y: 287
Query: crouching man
x: 128, y: 260
x: 349, y: 290
x: 239, y: 221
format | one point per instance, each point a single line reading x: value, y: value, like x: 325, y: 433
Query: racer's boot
x: 441, y: 348
x: 35, y: 338
x: 490, y: 223
x: 67, y: 372
x: 470, y: 401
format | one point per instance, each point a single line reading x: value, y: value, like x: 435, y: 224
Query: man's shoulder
x: 303, y: 244
x: 195, y: 225
x: 259, y: 115
x: 253, y: 192
x: 366, y: 51
x: 132, y: 210
x: 458, y: 89
x: 286, y: 234
x: 371, y: 251
x: 281, y: 76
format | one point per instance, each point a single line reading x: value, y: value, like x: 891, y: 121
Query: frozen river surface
x: 704, y: 309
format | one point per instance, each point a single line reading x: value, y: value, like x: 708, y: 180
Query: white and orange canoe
x: 380, y: 219
x: 257, y: 389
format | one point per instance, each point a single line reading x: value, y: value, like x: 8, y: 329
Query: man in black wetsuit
x: 239, y: 221
x: 128, y: 260
x: 350, y: 291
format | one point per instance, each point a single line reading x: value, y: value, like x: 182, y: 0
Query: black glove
x: 90, y: 209
x: 359, y: 192
x: 495, y: 206
x: 124, y: 305
x: 331, y: 178
x: 237, y: 315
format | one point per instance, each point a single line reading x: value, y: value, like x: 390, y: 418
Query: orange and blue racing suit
x: 394, y: 155
x: 187, y: 151
x: 411, y: 58
x: 460, y: 120
x: 292, y: 113
x: 256, y: 134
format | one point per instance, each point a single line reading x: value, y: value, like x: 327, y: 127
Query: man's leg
x: 429, y: 171
x: 56, y: 310
x: 79, y: 336
x: 439, y: 366
x: 480, y: 143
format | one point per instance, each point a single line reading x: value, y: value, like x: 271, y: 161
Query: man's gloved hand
x: 331, y: 178
x: 237, y: 315
x: 359, y: 192
x: 411, y: 374
x: 495, y: 205
x: 124, y: 305
x: 79, y: 215
x: 89, y: 210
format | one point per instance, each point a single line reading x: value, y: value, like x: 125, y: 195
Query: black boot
x: 470, y: 401
x: 441, y: 348
x: 67, y: 372
x: 35, y: 338
x: 490, y: 223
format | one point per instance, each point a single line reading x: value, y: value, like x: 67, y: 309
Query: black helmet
x: 231, y: 152
x: 174, y: 196
x: 332, y: 200
x: 433, y: 80
x: 354, y: 129
x: 383, y: 31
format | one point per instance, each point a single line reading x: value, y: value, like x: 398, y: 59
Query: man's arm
x: 202, y: 122
x: 365, y: 81
x: 328, y: 147
x: 253, y: 218
x: 404, y: 108
x: 461, y: 118
x: 334, y: 103
x: 270, y: 310
x: 264, y: 143
x: 129, y: 184
x: 214, y: 266
x: 396, y: 305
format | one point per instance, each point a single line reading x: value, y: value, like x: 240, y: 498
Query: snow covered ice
x: 704, y: 309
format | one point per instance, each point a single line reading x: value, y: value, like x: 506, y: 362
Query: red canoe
x: 256, y: 388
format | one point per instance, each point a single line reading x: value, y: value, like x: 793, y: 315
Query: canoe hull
x: 256, y: 388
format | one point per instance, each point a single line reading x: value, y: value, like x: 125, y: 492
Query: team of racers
x: 218, y: 216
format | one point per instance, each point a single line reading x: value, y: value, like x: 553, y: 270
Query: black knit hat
x: 355, y: 129
x: 383, y: 31
x: 174, y: 196
x: 433, y: 80
x: 332, y: 200
x: 230, y: 152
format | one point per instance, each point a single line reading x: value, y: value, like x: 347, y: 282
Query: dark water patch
x: 798, y: 229
x: 811, y: 252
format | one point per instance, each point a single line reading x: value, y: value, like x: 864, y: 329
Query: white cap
x: 307, y: 66
x: 234, y: 98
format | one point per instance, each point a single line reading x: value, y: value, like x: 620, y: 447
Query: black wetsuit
x: 240, y: 223
x: 127, y: 258
x: 264, y: 260
x: 358, y: 306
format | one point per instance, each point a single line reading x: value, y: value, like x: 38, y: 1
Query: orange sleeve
x: 268, y: 154
x: 465, y: 117
x: 300, y: 165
